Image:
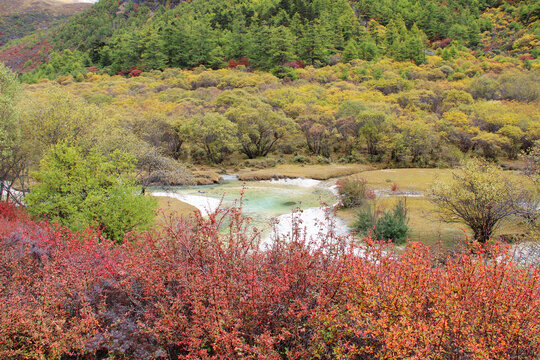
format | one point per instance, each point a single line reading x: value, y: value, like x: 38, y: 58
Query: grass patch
x: 318, y: 172
x: 206, y: 177
x: 424, y: 222
x: 419, y: 180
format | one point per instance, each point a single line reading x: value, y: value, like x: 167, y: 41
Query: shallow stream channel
x: 264, y: 201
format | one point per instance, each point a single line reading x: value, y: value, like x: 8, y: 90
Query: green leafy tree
x: 12, y: 160
x: 414, y: 46
x: 80, y: 190
x: 371, y: 124
x: 259, y: 128
x: 319, y: 131
x: 214, y: 133
x: 9, y: 131
x: 216, y: 58
x: 281, y: 45
x: 55, y: 117
x: 368, y: 49
x: 125, y: 51
x: 313, y: 43
x: 153, y: 54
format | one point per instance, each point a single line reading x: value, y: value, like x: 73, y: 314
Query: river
x: 265, y: 201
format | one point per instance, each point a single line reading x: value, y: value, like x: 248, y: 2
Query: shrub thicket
x: 192, y: 291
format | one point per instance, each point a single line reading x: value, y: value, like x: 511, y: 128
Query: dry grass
x: 418, y: 180
x: 318, y: 172
x: 206, y: 177
x: 172, y: 208
x: 406, y: 179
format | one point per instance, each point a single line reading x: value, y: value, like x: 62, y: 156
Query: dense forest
x: 277, y: 36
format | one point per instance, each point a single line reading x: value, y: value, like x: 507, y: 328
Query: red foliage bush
x: 192, y: 292
x: 92, y: 69
x: 441, y: 44
x: 9, y: 211
x: 298, y: 64
x: 134, y: 71
x: 526, y: 57
x: 234, y: 63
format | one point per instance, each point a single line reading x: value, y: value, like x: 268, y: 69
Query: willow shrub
x: 192, y: 291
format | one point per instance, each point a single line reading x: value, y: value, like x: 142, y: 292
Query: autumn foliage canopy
x: 192, y: 291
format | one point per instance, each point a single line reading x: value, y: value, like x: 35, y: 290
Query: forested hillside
x: 277, y: 36
x: 392, y: 112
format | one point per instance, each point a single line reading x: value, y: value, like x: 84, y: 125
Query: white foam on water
x: 12, y: 192
x: 229, y: 177
x: 527, y: 253
x: 314, y: 222
x: 388, y: 193
x: 205, y: 204
x: 301, y: 182
x: 334, y: 190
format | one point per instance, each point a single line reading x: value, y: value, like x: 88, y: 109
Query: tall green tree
x: 313, y: 43
x: 368, y: 49
x: 153, y: 55
x: 214, y: 133
x: 351, y: 51
x: 414, y: 46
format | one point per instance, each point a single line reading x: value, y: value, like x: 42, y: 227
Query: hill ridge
x: 56, y: 7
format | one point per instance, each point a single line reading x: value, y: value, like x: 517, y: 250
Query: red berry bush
x: 191, y: 291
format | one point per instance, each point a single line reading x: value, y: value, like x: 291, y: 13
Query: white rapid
x: 301, y: 182
x: 313, y: 222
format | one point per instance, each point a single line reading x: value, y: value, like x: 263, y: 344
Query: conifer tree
x: 351, y: 51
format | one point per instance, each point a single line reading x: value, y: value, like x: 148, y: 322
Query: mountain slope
x: 19, y: 18
x: 53, y: 7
